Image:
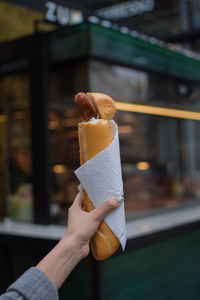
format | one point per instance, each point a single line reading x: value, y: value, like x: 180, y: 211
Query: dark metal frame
x: 39, y: 130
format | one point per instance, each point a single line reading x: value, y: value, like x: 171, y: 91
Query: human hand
x: 74, y: 246
x: 82, y: 225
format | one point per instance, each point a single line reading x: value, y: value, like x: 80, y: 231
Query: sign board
x: 126, y: 9
x: 63, y: 15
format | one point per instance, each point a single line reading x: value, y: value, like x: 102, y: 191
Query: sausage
x: 85, y: 106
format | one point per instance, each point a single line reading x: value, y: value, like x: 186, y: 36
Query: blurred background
x: 144, y: 54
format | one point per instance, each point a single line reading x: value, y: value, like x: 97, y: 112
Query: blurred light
x: 59, y: 169
x: 126, y: 9
x: 153, y: 40
x: 106, y: 23
x: 144, y: 228
x: 142, y: 165
x: 159, y: 111
x: 93, y: 19
x: 2, y: 118
x: 53, y: 124
x: 134, y: 33
x: 125, y: 129
x: 76, y: 17
x: 124, y: 29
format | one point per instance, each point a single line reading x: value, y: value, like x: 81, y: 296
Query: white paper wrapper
x: 101, y: 177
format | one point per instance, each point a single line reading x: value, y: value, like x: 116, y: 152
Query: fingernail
x: 120, y: 198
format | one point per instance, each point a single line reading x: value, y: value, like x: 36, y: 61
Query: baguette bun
x: 105, y: 105
x: 94, y: 136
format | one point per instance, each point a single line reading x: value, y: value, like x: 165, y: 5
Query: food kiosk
x: 156, y: 87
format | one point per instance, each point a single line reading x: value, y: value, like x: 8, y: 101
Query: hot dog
x: 95, y: 134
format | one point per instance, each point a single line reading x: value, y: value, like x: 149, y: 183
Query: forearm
x: 74, y: 246
x: 59, y: 263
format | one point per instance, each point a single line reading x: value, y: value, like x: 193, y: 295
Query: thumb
x: 105, y: 208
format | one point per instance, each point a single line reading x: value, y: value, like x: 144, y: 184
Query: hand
x: 82, y: 225
x: 74, y: 246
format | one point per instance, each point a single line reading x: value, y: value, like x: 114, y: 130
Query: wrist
x: 61, y: 260
x: 75, y: 246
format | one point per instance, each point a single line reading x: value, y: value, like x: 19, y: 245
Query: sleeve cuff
x: 35, y: 285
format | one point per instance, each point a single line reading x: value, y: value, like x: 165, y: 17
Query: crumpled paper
x: 101, y: 177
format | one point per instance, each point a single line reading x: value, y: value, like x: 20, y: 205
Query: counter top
x: 164, y: 220
x: 136, y: 227
x: 49, y: 232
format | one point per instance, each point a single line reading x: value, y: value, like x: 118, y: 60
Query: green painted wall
x: 79, y: 283
x: 168, y: 270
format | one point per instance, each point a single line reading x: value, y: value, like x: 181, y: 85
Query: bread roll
x: 105, y: 105
x: 94, y: 136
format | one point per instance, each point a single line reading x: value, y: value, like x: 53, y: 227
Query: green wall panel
x: 129, y: 50
x: 69, y: 43
x: 93, y: 40
x: 168, y: 270
x: 79, y: 283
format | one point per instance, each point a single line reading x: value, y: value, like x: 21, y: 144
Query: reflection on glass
x: 123, y: 84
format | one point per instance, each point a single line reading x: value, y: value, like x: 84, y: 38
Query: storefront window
x: 63, y: 118
x: 15, y: 97
x: 64, y: 159
x: 159, y: 154
x: 159, y: 160
x: 123, y: 84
